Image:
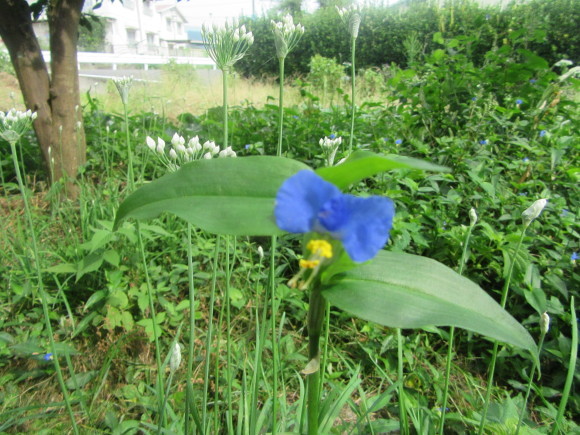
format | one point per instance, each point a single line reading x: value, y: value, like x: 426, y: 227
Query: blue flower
x: 47, y: 357
x: 247, y: 146
x: 574, y: 256
x: 543, y: 133
x: 307, y: 203
x: 519, y: 101
x: 473, y: 98
x: 565, y: 212
x: 525, y: 160
x: 483, y: 142
x: 332, y: 136
x: 532, y: 81
x: 399, y: 141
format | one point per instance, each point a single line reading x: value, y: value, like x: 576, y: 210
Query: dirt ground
x: 9, y: 93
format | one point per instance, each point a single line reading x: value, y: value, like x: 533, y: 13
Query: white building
x: 142, y: 26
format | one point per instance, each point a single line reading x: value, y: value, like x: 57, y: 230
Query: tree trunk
x: 54, y: 98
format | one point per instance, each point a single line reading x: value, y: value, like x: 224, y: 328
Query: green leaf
x: 226, y: 196
x: 364, y: 164
x: 407, y: 291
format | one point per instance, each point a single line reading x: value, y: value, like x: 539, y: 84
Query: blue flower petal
x: 300, y: 199
x: 367, y: 227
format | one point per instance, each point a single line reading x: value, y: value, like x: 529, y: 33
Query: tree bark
x: 54, y: 98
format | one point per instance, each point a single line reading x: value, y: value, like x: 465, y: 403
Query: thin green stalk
x: 452, y: 337
x: 325, y: 351
x: 504, y: 296
x: 272, y: 285
x: 403, y: 423
x: 534, y: 365
x: 209, y: 334
x: 315, y: 319
x: 229, y: 339
x: 225, y: 104
x: 155, y: 326
x: 280, y: 108
x: 130, y: 172
x: 41, y: 292
x: 571, y: 368
x: 352, y: 99
x: 189, y: 386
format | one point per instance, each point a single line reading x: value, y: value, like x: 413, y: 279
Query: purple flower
x: 307, y: 203
x: 399, y: 141
x: 519, y: 101
x: 543, y: 133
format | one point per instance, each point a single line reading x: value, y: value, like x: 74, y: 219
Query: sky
x: 202, y: 11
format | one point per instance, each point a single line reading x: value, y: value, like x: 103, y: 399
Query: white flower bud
x: 472, y: 217
x: 261, y: 252
x: 173, y: 154
x: 544, y: 323
x: 175, y: 358
x: 533, y: 211
x: 150, y: 143
x: 207, y: 156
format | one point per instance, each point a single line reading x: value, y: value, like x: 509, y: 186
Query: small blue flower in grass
x: 332, y: 136
x: 483, y: 142
x: 543, y: 133
x: 533, y: 81
x: 574, y: 256
x: 247, y: 146
x: 399, y: 141
x: 307, y: 203
x: 473, y: 98
x: 47, y: 357
x: 525, y: 160
x: 519, y: 101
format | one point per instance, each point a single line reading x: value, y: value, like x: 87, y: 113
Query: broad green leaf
x: 364, y: 164
x: 227, y: 195
x: 407, y: 291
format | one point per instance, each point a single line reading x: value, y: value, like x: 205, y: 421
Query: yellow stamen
x: 309, y: 264
x: 320, y: 247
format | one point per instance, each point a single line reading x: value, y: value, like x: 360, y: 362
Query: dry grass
x: 193, y: 93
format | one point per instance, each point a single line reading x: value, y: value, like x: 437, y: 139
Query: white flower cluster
x: 123, y: 84
x: 226, y: 44
x: 329, y: 148
x: 14, y: 123
x: 180, y: 153
x: 286, y: 35
x: 351, y: 17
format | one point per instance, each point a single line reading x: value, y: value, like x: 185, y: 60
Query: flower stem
x: 534, y: 365
x: 403, y: 424
x: 130, y: 170
x: 225, y: 106
x: 189, y: 386
x: 504, y: 296
x: 315, y: 319
x: 41, y: 292
x: 571, y: 368
x: 272, y: 285
x: 352, y: 92
x: 452, y: 337
x: 280, y: 108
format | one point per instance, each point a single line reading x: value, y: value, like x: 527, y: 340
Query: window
x: 168, y: 23
x: 131, y: 36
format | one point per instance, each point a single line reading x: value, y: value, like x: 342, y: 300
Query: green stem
x: 209, y: 333
x: 225, y: 106
x: 272, y: 285
x: 452, y: 337
x: 280, y: 108
x: 41, y: 292
x: 352, y: 96
x: 403, y: 424
x: 504, y: 296
x: 130, y: 171
x: 571, y: 368
x: 534, y: 365
x: 189, y: 386
x: 229, y: 339
x: 315, y: 319
x: 155, y: 326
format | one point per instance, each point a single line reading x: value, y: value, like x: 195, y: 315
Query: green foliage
x: 399, y: 36
x: 92, y: 33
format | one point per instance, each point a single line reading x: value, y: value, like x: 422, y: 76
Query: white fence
x: 114, y: 60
